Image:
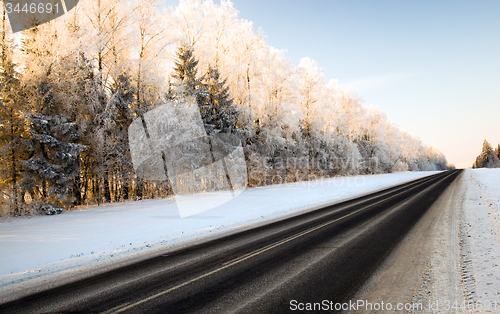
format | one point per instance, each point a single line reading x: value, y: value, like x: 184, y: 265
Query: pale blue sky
x: 431, y: 66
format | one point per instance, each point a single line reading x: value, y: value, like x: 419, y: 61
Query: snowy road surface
x: 89, y: 238
x: 330, y: 251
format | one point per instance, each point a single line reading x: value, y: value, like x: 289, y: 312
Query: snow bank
x: 43, y: 245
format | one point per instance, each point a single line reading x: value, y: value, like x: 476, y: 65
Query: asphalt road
x: 325, y: 255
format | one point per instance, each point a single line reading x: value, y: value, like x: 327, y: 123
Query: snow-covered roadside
x: 480, y: 233
x: 40, y: 246
x: 462, y: 273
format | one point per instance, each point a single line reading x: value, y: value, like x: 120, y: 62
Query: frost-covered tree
x: 189, y: 21
x: 120, y: 160
x: 186, y: 81
x: 487, y: 158
x: 62, y: 86
x: 100, y: 28
x: 150, y: 39
x: 187, y: 85
x: 54, y: 162
x: 315, y: 96
x: 219, y: 112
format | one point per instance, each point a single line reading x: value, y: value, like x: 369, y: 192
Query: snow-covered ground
x: 480, y: 231
x: 32, y: 248
x: 464, y: 268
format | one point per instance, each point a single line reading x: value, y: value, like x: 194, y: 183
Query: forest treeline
x: 70, y: 88
x: 489, y: 157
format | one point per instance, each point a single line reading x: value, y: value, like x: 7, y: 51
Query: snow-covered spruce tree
x: 186, y: 83
x: 218, y: 111
x: 53, y: 164
x: 64, y: 81
x: 12, y: 126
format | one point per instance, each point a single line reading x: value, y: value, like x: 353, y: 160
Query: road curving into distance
x: 326, y: 254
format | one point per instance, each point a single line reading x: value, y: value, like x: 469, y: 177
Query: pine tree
x: 186, y: 84
x: 219, y: 112
x: 77, y: 93
x: 54, y: 163
x: 66, y: 101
